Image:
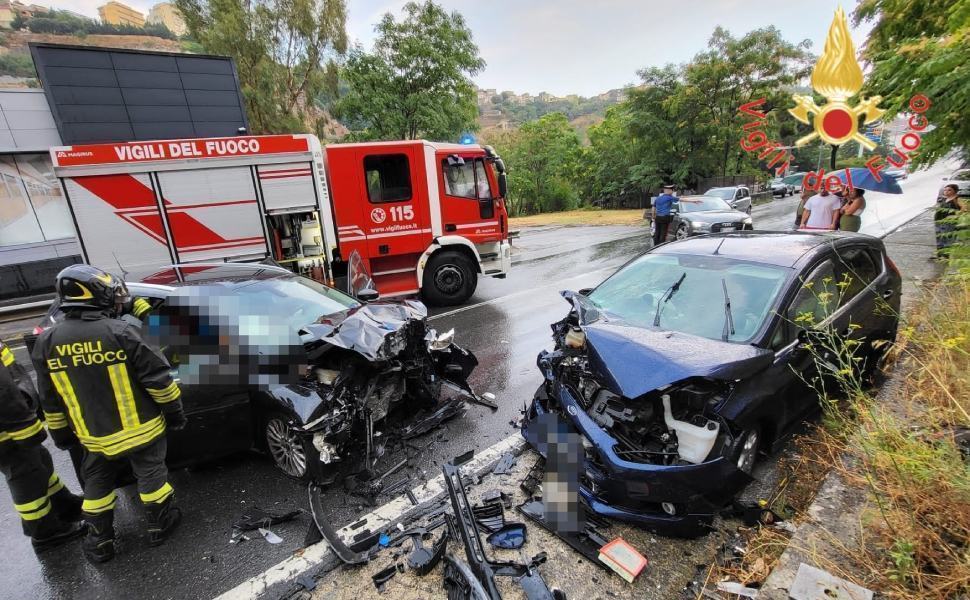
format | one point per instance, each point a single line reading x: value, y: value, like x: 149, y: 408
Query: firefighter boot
x: 53, y: 532
x: 99, y: 543
x: 66, y: 505
x: 162, y: 520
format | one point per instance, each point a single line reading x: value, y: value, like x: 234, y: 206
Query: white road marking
x: 558, y: 284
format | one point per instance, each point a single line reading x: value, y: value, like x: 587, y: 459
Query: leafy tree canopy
x: 922, y: 47
x: 415, y: 84
x: 285, y: 53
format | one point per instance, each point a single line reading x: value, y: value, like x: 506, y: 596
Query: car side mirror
x: 503, y: 185
x: 368, y: 295
x: 585, y: 291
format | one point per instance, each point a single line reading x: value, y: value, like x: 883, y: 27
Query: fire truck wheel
x: 449, y: 279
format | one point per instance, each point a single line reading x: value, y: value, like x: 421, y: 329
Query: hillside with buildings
x: 118, y: 26
x: 505, y: 110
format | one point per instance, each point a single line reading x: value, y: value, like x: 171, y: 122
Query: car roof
x: 779, y: 248
x: 206, y: 273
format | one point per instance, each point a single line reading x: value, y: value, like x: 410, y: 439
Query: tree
x: 543, y: 159
x: 922, y: 47
x: 686, y: 118
x: 284, y: 52
x: 610, y: 163
x: 416, y: 81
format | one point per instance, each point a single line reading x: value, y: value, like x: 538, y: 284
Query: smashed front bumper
x: 632, y: 491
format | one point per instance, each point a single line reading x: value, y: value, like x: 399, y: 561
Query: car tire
x: 748, y: 445
x: 290, y: 451
x: 449, y: 278
x: 682, y: 233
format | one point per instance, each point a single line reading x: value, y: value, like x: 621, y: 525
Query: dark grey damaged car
x: 690, y: 360
x: 312, y: 375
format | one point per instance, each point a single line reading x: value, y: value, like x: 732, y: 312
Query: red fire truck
x: 425, y: 217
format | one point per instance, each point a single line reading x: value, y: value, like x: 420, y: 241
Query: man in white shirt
x: 821, y: 211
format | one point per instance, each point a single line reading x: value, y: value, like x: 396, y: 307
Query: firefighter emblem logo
x: 837, y: 76
x: 378, y: 215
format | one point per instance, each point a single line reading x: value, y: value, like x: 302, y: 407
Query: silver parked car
x: 738, y: 197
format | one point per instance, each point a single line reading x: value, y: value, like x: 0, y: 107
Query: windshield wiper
x: 666, y: 298
x: 728, y: 317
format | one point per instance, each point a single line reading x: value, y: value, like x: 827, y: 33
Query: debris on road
x: 269, y: 536
x: 811, y: 583
x: 255, y: 517
x: 483, y: 569
x: 510, y: 536
x: 732, y: 587
x: 383, y: 576
x: 588, y: 542
x: 505, y: 464
x: 623, y: 559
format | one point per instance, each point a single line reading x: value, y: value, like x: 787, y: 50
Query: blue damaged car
x: 691, y: 359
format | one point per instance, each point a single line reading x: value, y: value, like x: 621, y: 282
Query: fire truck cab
x: 425, y: 217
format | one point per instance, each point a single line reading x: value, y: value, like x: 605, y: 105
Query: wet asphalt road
x: 506, y: 324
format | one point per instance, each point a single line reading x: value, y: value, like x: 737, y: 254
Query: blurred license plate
x: 728, y: 227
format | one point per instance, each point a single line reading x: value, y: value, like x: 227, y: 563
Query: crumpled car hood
x: 632, y: 361
x: 370, y: 329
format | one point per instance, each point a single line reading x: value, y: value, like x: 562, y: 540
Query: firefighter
x: 49, y: 512
x: 138, y: 308
x: 116, y: 397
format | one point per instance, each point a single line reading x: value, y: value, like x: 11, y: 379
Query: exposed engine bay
x: 366, y: 363
x: 673, y: 424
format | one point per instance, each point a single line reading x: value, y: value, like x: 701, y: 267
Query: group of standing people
x: 105, y: 395
x: 827, y: 211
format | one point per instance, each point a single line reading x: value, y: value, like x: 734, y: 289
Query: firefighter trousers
x: 100, y: 476
x: 39, y: 496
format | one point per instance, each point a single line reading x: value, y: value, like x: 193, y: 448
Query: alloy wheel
x: 682, y: 233
x: 448, y: 279
x: 286, y: 448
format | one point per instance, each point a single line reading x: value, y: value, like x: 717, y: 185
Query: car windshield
x: 702, y: 203
x: 631, y: 295
x: 296, y: 300
x: 725, y: 193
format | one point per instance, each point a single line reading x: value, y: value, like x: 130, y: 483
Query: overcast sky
x: 587, y: 47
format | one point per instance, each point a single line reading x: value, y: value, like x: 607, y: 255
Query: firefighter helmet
x: 84, y: 286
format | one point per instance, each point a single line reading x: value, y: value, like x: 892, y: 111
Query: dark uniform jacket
x: 99, y: 378
x: 18, y: 405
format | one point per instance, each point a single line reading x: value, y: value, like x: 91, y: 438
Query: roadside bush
x: 17, y: 64
x: 907, y: 453
x: 908, y: 450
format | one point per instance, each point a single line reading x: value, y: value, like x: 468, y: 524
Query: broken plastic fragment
x: 270, y: 537
x: 510, y: 537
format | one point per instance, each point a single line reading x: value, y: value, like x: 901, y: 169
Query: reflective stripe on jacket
x: 18, y: 409
x: 98, y: 376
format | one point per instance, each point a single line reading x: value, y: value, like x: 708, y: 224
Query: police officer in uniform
x: 49, y: 512
x: 116, y: 397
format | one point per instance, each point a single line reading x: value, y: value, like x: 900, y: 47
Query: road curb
x: 396, y: 511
